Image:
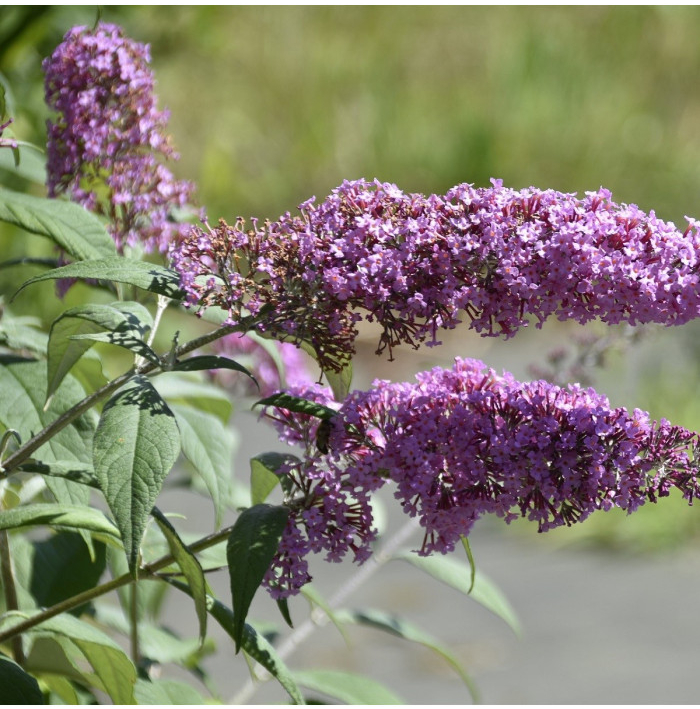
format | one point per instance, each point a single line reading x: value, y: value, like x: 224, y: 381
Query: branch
x: 22, y: 453
x: 147, y: 571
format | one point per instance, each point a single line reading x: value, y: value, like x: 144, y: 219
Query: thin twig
x: 147, y: 571
x: 134, y: 623
x: 25, y: 451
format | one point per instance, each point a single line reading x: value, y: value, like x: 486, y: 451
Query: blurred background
x: 270, y: 106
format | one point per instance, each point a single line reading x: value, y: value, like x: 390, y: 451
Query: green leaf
x: 190, y: 567
x: 209, y: 446
x: 395, y: 625
x: 18, y: 334
x: 155, y: 643
x: 470, y: 558
x: 193, y: 390
x: 81, y: 473
x: 18, y: 687
x: 77, y: 231
x: 456, y: 574
x: 49, y: 661
x: 253, y: 644
x: 62, y: 688
x: 340, y: 382
x: 297, y: 405
x: 166, y: 692
x: 264, y: 474
x: 64, y: 351
x: 310, y: 592
x: 136, y: 444
x: 283, y: 607
x: 252, y: 545
x: 32, y: 164
x: 23, y: 386
x: 141, y: 274
x: 48, y: 656
x: 205, y: 362
x: 49, y: 583
x: 62, y: 516
x: 128, y: 342
x: 114, y: 669
x: 349, y: 687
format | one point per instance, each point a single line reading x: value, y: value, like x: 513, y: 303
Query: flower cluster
x: 105, y: 144
x: 413, y: 263
x: 327, y: 512
x: 465, y: 442
x: 275, y: 365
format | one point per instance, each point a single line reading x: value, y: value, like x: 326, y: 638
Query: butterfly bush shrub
x: 86, y: 457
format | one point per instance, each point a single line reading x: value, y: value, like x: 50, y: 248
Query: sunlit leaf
x: 56, y: 515
x: 166, y: 692
x: 193, y: 390
x: 127, y: 319
x: 349, y: 687
x: 32, y: 163
x: 155, y: 642
x: 141, y: 274
x: 297, y: 405
x: 395, y: 625
x: 136, y: 444
x: 340, y: 382
x: 190, y: 567
x: 114, y: 669
x: 23, y: 386
x: 457, y: 574
x: 77, y: 231
x: 264, y: 474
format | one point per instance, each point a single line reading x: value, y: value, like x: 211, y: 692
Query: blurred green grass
x: 272, y: 105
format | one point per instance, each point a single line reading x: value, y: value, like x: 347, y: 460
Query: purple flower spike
x: 108, y: 137
x: 465, y: 442
x: 416, y: 264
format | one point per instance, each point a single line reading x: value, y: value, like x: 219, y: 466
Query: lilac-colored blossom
x: 416, y: 264
x: 464, y: 442
x: 275, y: 365
x: 328, y: 513
x: 108, y: 138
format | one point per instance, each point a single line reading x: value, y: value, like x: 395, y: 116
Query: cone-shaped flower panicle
x: 415, y: 264
x: 108, y: 138
x: 464, y: 442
